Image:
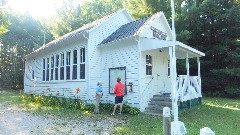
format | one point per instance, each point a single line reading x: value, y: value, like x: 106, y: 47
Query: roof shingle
x: 126, y: 30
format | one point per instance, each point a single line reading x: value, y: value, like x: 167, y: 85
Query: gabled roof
x: 130, y: 29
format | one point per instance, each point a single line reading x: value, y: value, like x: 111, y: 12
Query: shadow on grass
x: 222, y: 120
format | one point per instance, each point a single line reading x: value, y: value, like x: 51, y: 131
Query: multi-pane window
x: 82, y: 63
x: 148, y: 65
x: 52, y: 67
x: 68, y: 62
x: 74, y: 67
x: 62, y: 67
x: 56, y: 66
x: 68, y: 65
x: 47, y: 76
x: 44, y: 71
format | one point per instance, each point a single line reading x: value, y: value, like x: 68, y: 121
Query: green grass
x: 219, y: 114
x: 9, y: 96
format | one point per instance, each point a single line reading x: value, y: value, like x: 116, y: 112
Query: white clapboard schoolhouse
x: 114, y: 46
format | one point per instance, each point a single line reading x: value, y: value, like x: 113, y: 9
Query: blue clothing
x: 99, y: 89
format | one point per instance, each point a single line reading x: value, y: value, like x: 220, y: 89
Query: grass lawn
x: 221, y: 115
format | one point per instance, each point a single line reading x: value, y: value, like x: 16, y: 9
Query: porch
x: 188, y: 88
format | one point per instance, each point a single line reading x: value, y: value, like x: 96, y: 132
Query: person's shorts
x: 118, y: 99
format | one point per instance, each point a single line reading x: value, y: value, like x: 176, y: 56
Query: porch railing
x: 188, y: 87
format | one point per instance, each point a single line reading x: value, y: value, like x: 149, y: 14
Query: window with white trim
x: 148, y: 65
x: 74, y: 67
x: 52, y: 67
x: 82, y: 63
x: 62, y: 67
x: 44, y: 70
x: 47, y: 76
x: 68, y: 62
x: 56, y: 66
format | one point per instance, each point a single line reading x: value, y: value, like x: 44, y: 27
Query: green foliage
x: 108, y: 107
x: 25, y: 34
x: 143, y: 8
x: 76, y: 104
x: 4, y: 21
x: 72, y: 16
x: 215, y: 29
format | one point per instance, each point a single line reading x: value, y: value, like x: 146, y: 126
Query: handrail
x: 186, y: 91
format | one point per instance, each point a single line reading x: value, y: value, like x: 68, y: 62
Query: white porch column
x: 199, y: 77
x: 173, y: 75
x: 188, y: 79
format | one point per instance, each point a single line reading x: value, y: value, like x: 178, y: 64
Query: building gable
x: 157, y: 27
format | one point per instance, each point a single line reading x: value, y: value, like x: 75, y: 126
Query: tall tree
x: 143, y: 8
x: 4, y: 21
x: 214, y: 28
x: 25, y: 34
x: 72, y: 15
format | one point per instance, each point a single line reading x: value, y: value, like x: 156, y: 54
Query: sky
x: 37, y: 8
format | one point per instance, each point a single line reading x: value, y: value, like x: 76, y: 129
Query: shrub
x: 75, y: 104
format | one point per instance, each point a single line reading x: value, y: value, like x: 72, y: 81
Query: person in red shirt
x: 118, y: 90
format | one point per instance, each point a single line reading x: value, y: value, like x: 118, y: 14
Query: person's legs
x: 97, y: 104
x: 115, y: 106
x: 121, y: 104
x: 121, y: 107
x: 114, y: 109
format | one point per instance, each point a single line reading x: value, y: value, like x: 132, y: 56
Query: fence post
x: 166, y: 121
x: 206, y: 131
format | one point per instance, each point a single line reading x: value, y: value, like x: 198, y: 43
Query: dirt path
x: 14, y: 121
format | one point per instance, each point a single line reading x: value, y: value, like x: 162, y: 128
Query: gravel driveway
x: 14, y: 121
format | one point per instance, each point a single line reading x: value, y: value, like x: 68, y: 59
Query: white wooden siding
x: 95, y: 37
x: 121, y: 54
x: 65, y: 88
x: 156, y: 83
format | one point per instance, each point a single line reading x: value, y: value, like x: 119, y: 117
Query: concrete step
x: 154, y: 112
x: 160, y: 99
x: 160, y: 103
x: 153, y: 107
x: 157, y: 103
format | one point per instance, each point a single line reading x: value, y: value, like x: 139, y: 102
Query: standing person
x: 118, y: 90
x: 99, y: 94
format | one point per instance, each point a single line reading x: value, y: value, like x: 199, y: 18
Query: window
x: 47, y: 77
x: 69, y: 65
x: 148, y: 65
x: 44, y: 71
x: 52, y: 67
x: 32, y: 74
x: 56, y: 66
x: 74, y: 68
x: 68, y: 62
x: 168, y: 67
x: 82, y: 63
x: 62, y: 67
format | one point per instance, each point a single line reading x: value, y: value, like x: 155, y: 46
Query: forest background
x: 211, y: 26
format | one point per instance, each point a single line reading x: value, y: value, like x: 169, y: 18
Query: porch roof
x: 147, y: 44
